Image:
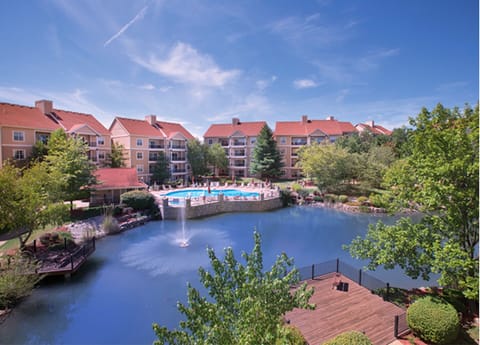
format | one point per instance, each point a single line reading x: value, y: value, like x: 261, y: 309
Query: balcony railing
x: 239, y: 142
x: 178, y: 159
x: 156, y: 146
x: 299, y: 141
x: 179, y: 171
x: 238, y: 154
x: 92, y: 144
x: 177, y: 146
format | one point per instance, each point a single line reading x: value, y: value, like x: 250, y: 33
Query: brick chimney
x: 151, y: 119
x: 304, y: 118
x: 371, y: 123
x: 235, y: 121
x: 44, y: 106
x: 330, y: 118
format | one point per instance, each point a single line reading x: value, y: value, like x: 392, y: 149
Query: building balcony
x: 178, y: 159
x: 156, y: 146
x: 178, y: 147
x: 239, y: 143
x: 179, y: 171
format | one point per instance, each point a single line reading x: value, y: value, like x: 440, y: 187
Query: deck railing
x: 361, y: 278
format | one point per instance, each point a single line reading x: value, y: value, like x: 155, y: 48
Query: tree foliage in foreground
x: 197, y: 155
x: 116, y: 159
x: 217, y: 157
x: 245, y: 304
x: 161, y: 169
x: 440, y: 178
x: 266, y: 160
x: 30, y: 201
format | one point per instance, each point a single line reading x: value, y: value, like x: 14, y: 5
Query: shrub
x: 291, y: 336
x: 303, y: 192
x: 110, y: 225
x: 433, y: 320
x: 318, y: 198
x: 17, y: 280
x: 286, y: 197
x: 343, y: 199
x: 296, y: 187
x: 349, y: 338
x: 138, y: 200
x: 379, y: 200
x: 330, y: 198
x: 362, y: 199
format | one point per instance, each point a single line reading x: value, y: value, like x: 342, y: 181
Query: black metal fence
x: 361, y: 278
x: 401, y: 325
x: 337, y: 266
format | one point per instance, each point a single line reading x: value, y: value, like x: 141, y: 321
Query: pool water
x: 136, y: 278
x: 196, y: 193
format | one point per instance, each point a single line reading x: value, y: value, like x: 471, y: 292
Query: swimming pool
x: 195, y: 193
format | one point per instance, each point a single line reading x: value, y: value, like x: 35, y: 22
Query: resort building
x: 22, y: 126
x: 145, y: 140
x: 371, y: 127
x: 238, y: 139
x: 292, y: 135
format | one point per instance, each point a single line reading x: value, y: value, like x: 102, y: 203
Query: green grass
x: 15, y: 244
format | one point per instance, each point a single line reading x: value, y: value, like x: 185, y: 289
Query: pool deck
x: 339, y: 311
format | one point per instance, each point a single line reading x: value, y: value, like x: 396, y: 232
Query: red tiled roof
x: 250, y: 129
x: 139, y: 127
x: 25, y: 117
x: 71, y: 120
x: 376, y: 129
x: 329, y: 127
x: 170, y: 129
x: 116, y: 178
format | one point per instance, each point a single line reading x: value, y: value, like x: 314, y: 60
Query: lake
x: 136, y: 278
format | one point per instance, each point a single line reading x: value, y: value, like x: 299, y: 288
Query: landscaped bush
x: 343, y: 198
x: 349, y: 338
x: 138, y: 200
x: 362, y: 199
x: 291, y: 336
x: 17, y: 280
x: 296, y: 187
x: 79, y: 214
x: 303, y: 192
x: 379, y: 200
x: 286, y: 197
x: 110, y: 225
x: 318, y: 198
x: 433, y: 320
x: 330, y: 198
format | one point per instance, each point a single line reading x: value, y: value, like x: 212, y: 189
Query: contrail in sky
x: 139, y: 16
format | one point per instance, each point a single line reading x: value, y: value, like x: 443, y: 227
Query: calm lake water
x: 135, y: 278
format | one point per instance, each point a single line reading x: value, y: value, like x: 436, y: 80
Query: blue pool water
x: 196, y: 193
x: 136, y: 278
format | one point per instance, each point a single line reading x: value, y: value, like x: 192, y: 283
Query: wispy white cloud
x: 148, y: 87
x: 455, y: 85
x: 304, y: 83
x: 138, y: 17
x: 262, y: 84
x: 341, y: 95
x: 186, y: 65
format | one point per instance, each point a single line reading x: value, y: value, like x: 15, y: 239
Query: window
x: 139, y: 156
x: 139, y: 142
x: 18, y: 136
x: 210, y: 141
x: 253, y: 141
x: 283, y: 140
x: 18, y: 154
x: 140, y: 168
x: 101, y: 141
x: 101, y: 155
x: 43, y: 138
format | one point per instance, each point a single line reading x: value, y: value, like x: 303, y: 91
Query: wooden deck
x: 338, y: 311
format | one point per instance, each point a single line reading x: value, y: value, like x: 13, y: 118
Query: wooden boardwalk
x: 338, y: 311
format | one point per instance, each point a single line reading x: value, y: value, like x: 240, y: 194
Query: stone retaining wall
x: 209, y: 208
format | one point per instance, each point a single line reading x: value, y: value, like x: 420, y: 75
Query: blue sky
x: 200, y: 62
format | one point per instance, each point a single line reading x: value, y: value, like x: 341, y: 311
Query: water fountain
x: 183, y: 241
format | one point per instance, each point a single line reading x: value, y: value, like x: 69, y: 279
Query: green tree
x: 68, y: 156
x: 331, y: 166
x: 40, y: 150
x: 116, y: 159
x: 161, y: 169
x: 217, y: 158
x: 266, y: 160
x: 440, y: 177
x: 374, y: 164
x: 245, y: 304
x: 29, y: 201
x: 197, y: 155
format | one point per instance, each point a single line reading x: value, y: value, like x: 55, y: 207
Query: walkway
x: 338, y: 311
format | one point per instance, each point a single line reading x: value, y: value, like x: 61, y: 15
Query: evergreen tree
x: 115, y: 159
x: 266, y: 161
x: 197, y: 157
x: 161, y: 169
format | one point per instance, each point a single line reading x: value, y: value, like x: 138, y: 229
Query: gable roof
x: 32, y: 117
x: 138, y: 127
x: 22, y: 116
x: 374, y: 129
x: 170, y: 129
x: 161, y: 129
x: 250, y: 129
x: 117, y: 178
x: 71, y: 120
x: 308, y: 127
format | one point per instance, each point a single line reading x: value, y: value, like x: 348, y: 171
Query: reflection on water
x: 163, y: 254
